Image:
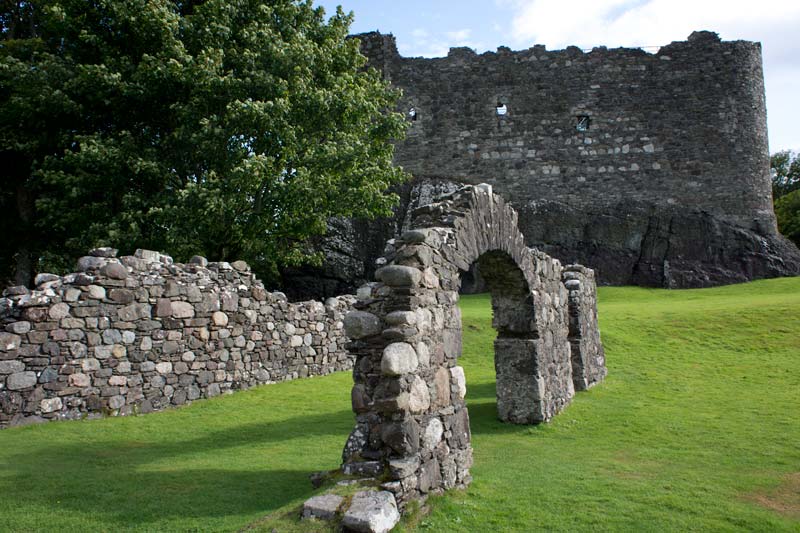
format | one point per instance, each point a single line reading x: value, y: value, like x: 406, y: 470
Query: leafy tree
x: 785, y: 168
x: 787, y: 210
x: 228, y: 128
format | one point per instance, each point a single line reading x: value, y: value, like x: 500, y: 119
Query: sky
x: 430, y: 27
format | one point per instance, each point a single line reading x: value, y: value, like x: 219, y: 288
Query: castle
x: 653, y: 169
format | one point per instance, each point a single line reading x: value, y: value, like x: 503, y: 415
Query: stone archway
x: 412, y: 421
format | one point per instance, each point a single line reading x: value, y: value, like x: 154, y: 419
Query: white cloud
x: 641, y: 22
x: 588, y: 23
x: 437, y: 45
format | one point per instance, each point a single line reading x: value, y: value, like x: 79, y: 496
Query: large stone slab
x: 322, y: 507
x: 372, y: 512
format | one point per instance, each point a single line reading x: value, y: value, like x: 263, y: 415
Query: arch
x: 412, y: 423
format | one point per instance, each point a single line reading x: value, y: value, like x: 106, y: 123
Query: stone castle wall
x: 141, y: 333
x: 667, y: 185
x: 684, y: 126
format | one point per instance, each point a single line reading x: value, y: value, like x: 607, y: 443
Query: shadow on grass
x: 193, y: 475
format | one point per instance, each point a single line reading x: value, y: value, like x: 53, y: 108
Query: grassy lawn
x: 697, y: 427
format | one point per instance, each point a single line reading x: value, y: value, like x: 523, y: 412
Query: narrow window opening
x: 412, y: 114
x: 583, y: 123
x: 501, y: 109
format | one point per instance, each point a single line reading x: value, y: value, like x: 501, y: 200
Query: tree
x: 787, y: 210
x: 785, y: 170
x: 227, y: 128
x: 785, y: 167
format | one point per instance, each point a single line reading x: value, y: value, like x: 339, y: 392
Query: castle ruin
x: 652, y: 169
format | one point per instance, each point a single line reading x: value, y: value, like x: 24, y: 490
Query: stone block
x: 360, y: 324
x: 79, y: 380
x: 11, y: 367
x: 219, y: 319
x: 90, y: 262
x: 363, y: 468
x: 58, y: 311
x: 104, y: 252
x: 182, y: 310
x: 322, y: 507
x: 9, y: 341
x: 114, y: 271
x: 96, y: 292
x: 398, y: 358
x: 118, y: 381
x: 402, y: 437
x: 402, y: 468
x: 133, y: 312
x: 21, y: 380
x: 50, y: 405
x: 419, y: 397
x: 399, y: 276
x: 19, y: 328
x: 90, y: 365
x: 432, y: 434
x: 372, y: 512
x: 459, y: 381
x: 116, y: 402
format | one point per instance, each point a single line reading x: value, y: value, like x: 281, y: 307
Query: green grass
x: 697, y: 427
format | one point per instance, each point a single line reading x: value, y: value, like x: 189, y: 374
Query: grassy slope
x: 696, y: 428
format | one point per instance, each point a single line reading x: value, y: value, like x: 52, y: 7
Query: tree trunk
x: 23, y: 257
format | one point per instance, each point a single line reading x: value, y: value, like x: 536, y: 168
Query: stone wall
x: 653, y: 169
x: 412, y: 423
x: 141, y: 333
x: 588, y: 355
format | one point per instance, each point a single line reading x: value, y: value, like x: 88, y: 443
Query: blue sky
x: 429, y: 28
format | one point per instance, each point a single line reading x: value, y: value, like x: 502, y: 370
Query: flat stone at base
x: 372, y: 512
x: 323, y: 507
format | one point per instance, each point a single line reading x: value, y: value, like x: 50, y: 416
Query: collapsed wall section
x: 141, y: 333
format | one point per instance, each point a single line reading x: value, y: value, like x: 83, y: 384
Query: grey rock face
x: 372, y: 512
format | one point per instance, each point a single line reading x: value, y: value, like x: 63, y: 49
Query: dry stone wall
x: 141, y: 333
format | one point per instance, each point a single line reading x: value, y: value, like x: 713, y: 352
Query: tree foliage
x: 787, y: 210
x: 785, y: 170
x: 785, y: 167
x: 228, y: 128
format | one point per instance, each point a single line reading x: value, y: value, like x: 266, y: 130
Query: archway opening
x: 514, y: 321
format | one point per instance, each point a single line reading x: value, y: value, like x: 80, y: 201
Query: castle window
x: 583, y: 123
x: 412, y: 114
x: 501, y: 110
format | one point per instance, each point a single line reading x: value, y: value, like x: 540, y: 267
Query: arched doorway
x: 408, y: 394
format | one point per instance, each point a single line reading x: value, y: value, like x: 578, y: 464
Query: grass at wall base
x: 695, y: 428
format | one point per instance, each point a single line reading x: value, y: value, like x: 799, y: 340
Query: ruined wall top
x: 684, y: 127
